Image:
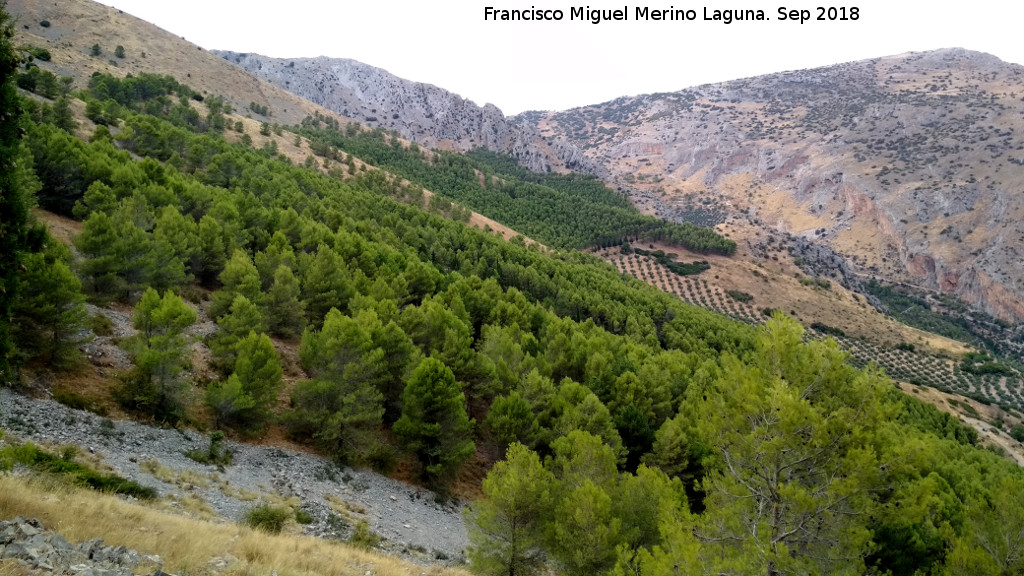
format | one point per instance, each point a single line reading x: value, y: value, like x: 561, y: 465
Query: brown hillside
x: 910, y: 167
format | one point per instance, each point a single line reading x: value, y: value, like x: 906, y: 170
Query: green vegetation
x: 363, y: 536
x: 434, y: 424
x: 669, y: 261
x: 826, y: 329
x: 791, y: 428
x: 214, y: 454
x: 916, y: 312
x: 981, y: 363
x: 16, y: 189
x: 268, y: 518
x: 64, y: 466
x: 641, y: 435
x: 155, y: 386
x: 560, y: 211
x: 739, y: 295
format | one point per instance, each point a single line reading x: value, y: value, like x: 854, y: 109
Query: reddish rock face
x: 949, y: 282
x: 921, y: 266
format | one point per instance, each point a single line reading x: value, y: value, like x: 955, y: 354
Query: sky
x: 556, y: 65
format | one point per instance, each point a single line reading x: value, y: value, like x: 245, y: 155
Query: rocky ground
x: 47, y: 552
x: 410, y: 520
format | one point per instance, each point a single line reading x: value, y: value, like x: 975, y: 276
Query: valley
x: 275, y: 299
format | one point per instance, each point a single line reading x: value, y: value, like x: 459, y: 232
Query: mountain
x: 74, y: 26
x: 423, y: 113
x: 907, y: 169
x: 910, y: 167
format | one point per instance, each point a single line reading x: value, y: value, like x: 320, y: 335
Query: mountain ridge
x: 820, y: 144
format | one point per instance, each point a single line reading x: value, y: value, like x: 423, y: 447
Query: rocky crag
x: 420, y: 112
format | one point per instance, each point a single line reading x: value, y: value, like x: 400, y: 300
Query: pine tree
x: 246, y: 398
x: 325, y: 284
x: 159, y: 349
x: 100, y: 267
x: 510, y: 419
x: 181, y: 234
x: 212, y: 252
x: 284, y: 312
x: 14, y: 195
x: 238, y: 278
x: 50, y: 310
x: 98, y: 197
x: 341, y: 406
x: 434, y: 423
x: 242, y: 318
x: 506, y: 526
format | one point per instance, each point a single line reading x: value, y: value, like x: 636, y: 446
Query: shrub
x: 40, y: 53
x: 739, y: 296
x: 363, y: 536
x: 303, y: 517
x: 44, y: 23
x: 29, y: 455
x: 267, y: 518
x: 215, y: 454
x: 101, y: 325
x: 826, y: 329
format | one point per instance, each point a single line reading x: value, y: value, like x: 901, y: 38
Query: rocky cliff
x: 911, y: 167
x: 423, y: 113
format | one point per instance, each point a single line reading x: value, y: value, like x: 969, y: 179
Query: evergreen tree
x: 243, y: 317
x: 100, y: 267
x: 341, y: 406
x: 326, y: 284
x: 284, y: 312
x: 511, y: 420
x: 14, y: 195
x: 239, y: 278
x: 506, y: 526
x: 50, y: 311
x: 159, y: 350
x: 181, y: 234
x: 98, y: 197
x: 434, y: 424
x: 801, y: 460
x: 212, y: 251
x: 247, y: 397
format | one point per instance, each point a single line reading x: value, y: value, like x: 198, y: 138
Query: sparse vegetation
x: 65, y: 467
x: 214, y: 454
x: 270, y: 519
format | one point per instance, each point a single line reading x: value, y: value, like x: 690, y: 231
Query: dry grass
x: 186, y: 545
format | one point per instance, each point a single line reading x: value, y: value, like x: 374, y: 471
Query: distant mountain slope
x: 76, y: 25
x: 421, y: 112
x: 911, y: 167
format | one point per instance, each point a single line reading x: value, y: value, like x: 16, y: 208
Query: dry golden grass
x: 187, y: 545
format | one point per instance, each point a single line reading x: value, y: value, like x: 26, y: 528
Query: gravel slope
x: 408, y: 518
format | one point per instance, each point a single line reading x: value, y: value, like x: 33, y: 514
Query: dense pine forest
x: 626, y: 431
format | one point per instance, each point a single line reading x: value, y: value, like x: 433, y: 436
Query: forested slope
x: 633, y: 433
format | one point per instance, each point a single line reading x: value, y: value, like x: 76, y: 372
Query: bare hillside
x: 910, y: 167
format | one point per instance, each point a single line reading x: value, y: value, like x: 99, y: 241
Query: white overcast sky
x: 522, y: 66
